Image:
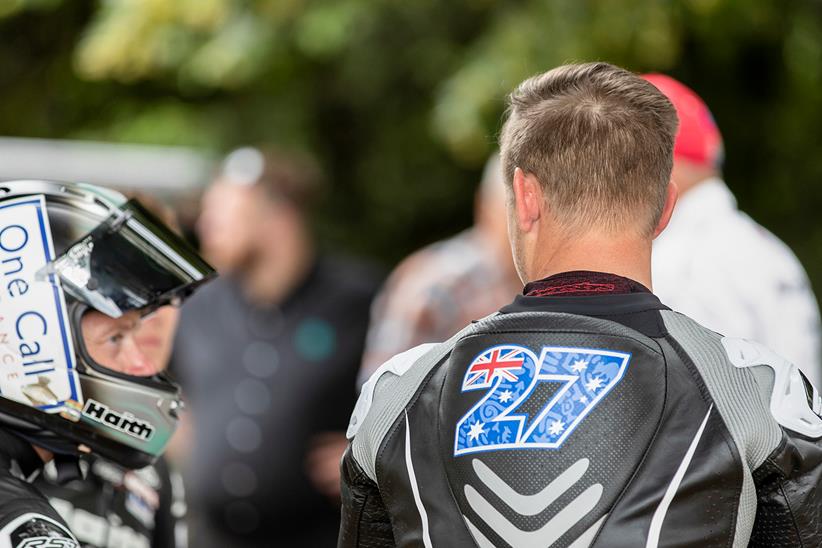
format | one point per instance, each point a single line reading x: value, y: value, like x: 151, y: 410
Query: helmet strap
x: 68, y: 468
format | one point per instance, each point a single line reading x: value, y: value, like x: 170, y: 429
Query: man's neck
x: 44, y: 454
x: 688, y: 175
x: 276, y: 272
x: 629, y: 258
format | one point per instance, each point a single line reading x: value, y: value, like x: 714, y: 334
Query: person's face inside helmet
x: 155, y: 336
x: 130, y: 344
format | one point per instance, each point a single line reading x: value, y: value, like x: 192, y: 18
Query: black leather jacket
x: 605, y: 421
x: 26, y: 518
x: 111, y: 507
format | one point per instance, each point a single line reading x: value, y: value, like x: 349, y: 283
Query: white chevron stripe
x: 586, y: 538
x: 583, y: 541
x: 531, y: 505
x: 481, y: 540
x: 426, y: 534
x: 662, y: 509
x: 546, y: 535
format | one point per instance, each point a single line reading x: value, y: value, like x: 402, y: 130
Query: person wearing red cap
x: 716, y: 264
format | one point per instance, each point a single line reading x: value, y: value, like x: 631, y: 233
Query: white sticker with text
x: 36, y: 351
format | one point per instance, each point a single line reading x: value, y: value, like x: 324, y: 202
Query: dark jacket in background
x: 261, y: 383
x: 111, y: 507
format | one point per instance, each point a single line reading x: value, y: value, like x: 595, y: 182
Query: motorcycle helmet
x: 67, y: 250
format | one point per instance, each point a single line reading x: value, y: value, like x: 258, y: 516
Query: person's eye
x: 116, y: 339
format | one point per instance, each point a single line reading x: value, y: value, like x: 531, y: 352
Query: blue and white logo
x: 504, y: 419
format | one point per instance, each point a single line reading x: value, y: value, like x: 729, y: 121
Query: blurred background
x: 400, y: 104
x: 400, y: 101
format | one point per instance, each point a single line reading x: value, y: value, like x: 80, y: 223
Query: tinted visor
x: 131, y: 261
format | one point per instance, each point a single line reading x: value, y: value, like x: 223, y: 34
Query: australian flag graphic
x: 579, y: 377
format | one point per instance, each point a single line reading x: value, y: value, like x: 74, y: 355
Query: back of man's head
x: 599, y: 139
x: 489, y: 209
x: 279, y: 173
x: 257, y: 194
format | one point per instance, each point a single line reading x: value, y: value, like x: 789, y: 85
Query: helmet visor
x: 131, y: 261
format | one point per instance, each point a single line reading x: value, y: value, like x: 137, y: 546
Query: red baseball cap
x: 698, y: 139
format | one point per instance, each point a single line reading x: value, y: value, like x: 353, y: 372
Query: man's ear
x: 527, y: 200
x: 667, y: 210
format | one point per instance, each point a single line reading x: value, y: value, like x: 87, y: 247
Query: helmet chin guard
x: 65, y: 250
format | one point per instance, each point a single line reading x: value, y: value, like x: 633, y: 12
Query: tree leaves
x: 402, y: 100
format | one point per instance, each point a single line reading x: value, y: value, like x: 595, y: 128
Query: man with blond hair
x: 585, y: 413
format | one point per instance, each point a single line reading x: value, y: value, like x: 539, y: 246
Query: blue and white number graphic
x: 511, y: 373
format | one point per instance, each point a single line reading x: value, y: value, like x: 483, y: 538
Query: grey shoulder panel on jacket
x: 742, y: 395
x: 387, y: 393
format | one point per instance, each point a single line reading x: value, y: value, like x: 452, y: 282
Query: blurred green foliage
x: 401, y: 101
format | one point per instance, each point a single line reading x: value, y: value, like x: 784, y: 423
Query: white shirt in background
x: 718, y: 266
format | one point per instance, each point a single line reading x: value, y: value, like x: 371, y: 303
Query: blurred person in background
x: 110, y: 506
x: 269, y: 358
x: 439, y: 289
x: 716, y: 264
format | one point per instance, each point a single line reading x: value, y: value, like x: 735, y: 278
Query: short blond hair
x: 600, y: 141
